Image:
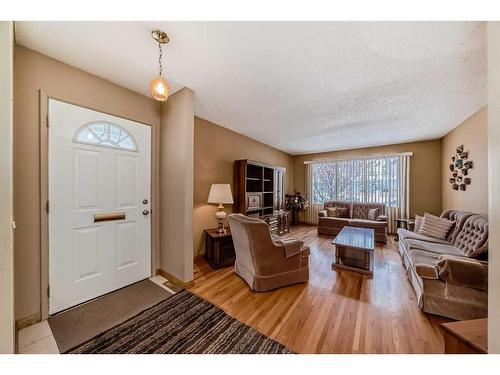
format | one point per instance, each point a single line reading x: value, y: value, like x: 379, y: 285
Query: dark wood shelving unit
x: 259, y: 192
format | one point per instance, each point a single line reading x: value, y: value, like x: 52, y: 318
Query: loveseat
x: 450, y: 277
x: 357, y: 216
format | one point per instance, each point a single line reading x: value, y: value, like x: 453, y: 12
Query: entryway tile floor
x: 38, y: 338
x: 160, y: 280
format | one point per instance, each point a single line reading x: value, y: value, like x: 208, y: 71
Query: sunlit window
x: 370, y: 180
x: 105, y: 135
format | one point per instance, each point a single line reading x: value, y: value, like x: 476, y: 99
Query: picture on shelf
x: 253, y: 201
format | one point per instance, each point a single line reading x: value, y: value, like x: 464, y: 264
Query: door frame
x: 44, y: 97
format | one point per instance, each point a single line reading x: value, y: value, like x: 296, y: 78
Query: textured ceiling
x: 298, y: 86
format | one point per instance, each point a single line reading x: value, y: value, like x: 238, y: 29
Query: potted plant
x: 295, y: 203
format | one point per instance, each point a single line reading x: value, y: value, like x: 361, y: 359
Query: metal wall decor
x: 459, y: 168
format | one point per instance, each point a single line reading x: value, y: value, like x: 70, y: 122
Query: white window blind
x: 370, y: 180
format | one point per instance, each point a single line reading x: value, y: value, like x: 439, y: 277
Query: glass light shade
x: 159, y: 89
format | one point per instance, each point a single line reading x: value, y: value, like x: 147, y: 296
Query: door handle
x: 145, y: 212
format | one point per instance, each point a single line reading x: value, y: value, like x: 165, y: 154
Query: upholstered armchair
x: 264, y: 262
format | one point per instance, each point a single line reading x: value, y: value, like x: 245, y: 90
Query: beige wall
x: 176, y: 184
x: 425, y: 171
x: 6, y: 167
x: 215, y: 150
x: 473, y: 134
x: 33, y: 72
x: 494, y: 186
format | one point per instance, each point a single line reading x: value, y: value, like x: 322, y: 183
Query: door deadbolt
x: 145, y: 201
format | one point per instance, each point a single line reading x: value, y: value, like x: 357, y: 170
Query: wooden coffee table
x: 354, y: 249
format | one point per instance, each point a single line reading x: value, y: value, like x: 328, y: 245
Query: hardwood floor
x: 337, y: 311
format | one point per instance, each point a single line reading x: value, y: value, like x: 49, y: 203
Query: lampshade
x: 220, y: 193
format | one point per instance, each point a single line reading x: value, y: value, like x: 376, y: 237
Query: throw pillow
x: 436, y: 227
x: 418, y: 223
x: 343, y: 212
x: 373, y: 213
x: 331, y: 211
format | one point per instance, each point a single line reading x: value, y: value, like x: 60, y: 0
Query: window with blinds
x: 370, y: 180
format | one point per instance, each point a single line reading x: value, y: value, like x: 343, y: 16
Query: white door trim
x: 7, y: 329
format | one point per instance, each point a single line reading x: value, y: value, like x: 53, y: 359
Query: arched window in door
x: 105, y: 134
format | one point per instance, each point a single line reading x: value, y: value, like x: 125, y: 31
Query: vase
x: 295, y: 217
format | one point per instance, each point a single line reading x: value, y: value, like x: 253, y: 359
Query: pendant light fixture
x: 159, y: 85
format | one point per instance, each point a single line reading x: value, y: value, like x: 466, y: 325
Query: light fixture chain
x: 160, y: 57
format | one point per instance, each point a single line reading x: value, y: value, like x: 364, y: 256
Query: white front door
x: 99, y: 203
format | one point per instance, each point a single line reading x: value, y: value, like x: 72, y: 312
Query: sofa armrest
x: 427, y: 271
x: 382, y: 218
x: 463, y: 271
x: 322, y: 214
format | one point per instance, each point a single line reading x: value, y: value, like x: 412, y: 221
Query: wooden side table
x: 404, y: 223
x: 466, y: 337
x: 219, y: 248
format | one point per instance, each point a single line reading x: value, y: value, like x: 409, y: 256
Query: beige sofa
x: 450, y: 277
x: 357, y: 217
x: 263, y: 262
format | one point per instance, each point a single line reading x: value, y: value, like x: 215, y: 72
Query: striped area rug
x: 183, y: 323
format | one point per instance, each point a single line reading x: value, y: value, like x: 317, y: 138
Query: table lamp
x: 220, y: 194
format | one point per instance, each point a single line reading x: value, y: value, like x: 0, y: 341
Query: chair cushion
x: 333, y: 221
x: 434, y: 226
x: 368, y: 223
x: 405, y: 233
x: 433, y: 247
